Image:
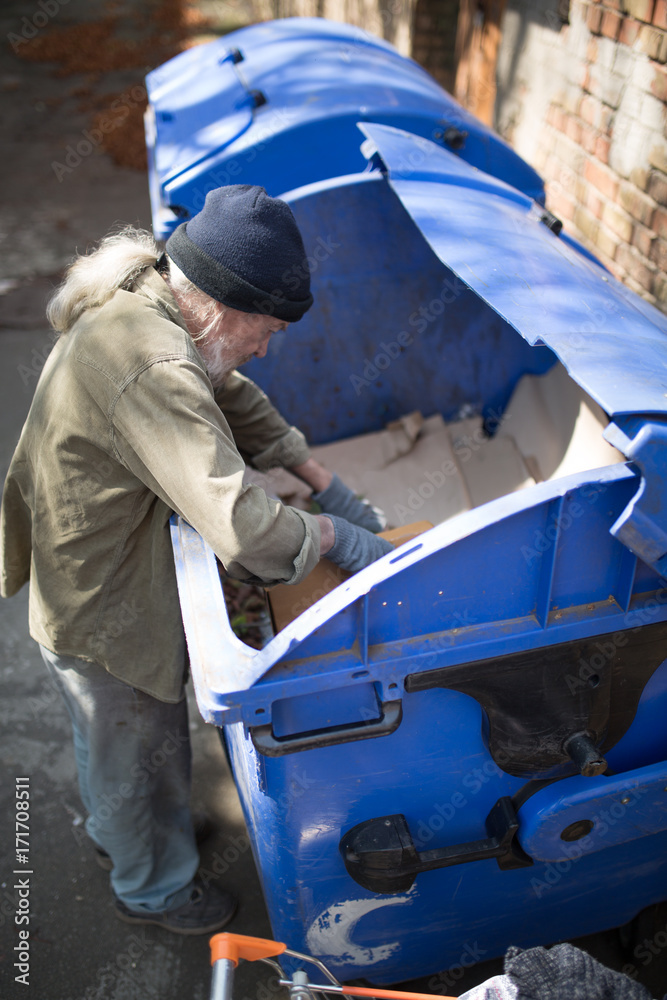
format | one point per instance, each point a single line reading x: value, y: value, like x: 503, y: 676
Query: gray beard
x: 219, y: 359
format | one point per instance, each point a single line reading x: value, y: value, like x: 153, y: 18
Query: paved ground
x: 78, y: 949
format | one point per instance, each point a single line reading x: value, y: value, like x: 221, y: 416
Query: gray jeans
x: 133, y: 760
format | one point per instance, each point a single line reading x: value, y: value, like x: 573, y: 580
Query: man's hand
x: 352, y: 547
x: 340, y: 500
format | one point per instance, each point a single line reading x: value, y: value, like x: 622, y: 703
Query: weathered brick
x: 595, y: 113
x: 610, y: 26
x: 659, y: 82
x: 636, y: 267
x: 589, y: 138
x: 594, y: 19
x: 593, y: 202
x: 592, y: 49
x: 607, y: 242
x: 607, y: 86
x: 635, y: 287
x: 573, y: 129
x: 602, y: 178
x: 556, y: 117
x: 630, y: 30
x: 659, y: 222
x: 658, y: 156
x: 602, y: 146
x: 650, y: 41
x: 640, y: 177
x: 660, y: 289
x: 660, y: 15
x: 653, y: 113
x: 561, y: 204
x: 572, y: 156
x: 636, y: 203
x: 586, y: 223
x: 607, y: 49
x: 618, y: 221
x: 642, y: 239
x: 641, y: 9
x: 657, y: 186
x: 659, y: 254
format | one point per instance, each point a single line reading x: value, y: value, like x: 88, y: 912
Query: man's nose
x: 261, y: 351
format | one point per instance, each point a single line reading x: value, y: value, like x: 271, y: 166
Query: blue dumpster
x: 461, y: 747
x: 421, y: 755
x: 277, y: 104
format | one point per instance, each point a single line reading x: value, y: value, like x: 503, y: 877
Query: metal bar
x: 222, y: 979
x: 363, y: 991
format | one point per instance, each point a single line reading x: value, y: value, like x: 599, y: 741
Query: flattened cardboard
x: 287, y: 602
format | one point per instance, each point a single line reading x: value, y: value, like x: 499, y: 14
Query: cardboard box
x: 287, y: 602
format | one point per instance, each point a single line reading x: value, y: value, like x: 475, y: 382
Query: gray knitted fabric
x: 567, y: 973
x: 560, y: 973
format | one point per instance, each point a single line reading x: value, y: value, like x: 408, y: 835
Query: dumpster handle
x: 381, y: 856
x: 271, y: 746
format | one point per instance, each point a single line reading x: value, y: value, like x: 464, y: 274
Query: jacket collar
x: 152, y: 286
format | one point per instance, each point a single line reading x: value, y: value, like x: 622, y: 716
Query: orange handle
x: 236, y: 946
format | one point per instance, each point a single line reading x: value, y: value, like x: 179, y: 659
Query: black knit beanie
x: 244, y: 249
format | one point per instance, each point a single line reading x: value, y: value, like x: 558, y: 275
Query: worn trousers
x: 134, y: 765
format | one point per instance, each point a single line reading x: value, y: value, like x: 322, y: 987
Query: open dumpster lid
x: 491, y: 235
x: 612, y: 342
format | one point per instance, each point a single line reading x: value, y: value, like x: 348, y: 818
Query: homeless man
x: 139, y: 412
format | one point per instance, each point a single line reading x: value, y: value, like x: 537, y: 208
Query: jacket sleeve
x: 15, y: 536
x: 259, y: 430
x: 168, y: 430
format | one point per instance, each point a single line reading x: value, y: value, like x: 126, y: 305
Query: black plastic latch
x: 551, y: 221
x: 258, y: 98
x: 233, y: 56
x: 381, y: 856
x: 451, y: 136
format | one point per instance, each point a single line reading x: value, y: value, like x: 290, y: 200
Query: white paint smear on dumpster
x: 331, y: 932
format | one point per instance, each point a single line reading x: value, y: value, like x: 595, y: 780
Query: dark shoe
x: 203, y: 830
x: 207, y: 910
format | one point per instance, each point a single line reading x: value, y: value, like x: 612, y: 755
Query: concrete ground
x: 78, y: 949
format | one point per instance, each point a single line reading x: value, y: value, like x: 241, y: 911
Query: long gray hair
x: 117, y: 262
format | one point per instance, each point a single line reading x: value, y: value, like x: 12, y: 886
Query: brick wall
x: 433, y: 39
x: 389, y: 19
x: 422, y: 29
x: 585, y: 103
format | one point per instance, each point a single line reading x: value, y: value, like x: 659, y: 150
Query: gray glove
x: 340, y: 500
x: 355, y: 547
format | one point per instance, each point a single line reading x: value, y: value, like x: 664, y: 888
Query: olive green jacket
x: 124, y: 429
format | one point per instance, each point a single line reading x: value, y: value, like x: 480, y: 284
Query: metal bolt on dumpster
x: 461, y: 747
